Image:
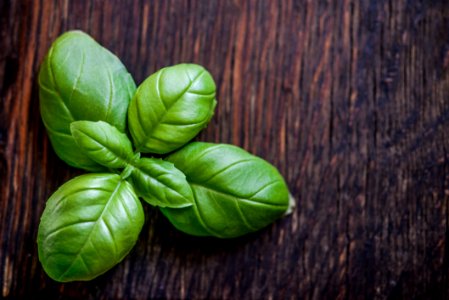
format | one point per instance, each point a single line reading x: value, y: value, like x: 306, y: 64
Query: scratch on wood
x: 7, y: 276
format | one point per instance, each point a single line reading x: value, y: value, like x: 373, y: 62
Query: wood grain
x: 349, y: 99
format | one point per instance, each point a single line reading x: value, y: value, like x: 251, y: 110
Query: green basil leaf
x: 81, y: 80
x: 103, y: 143
x: 89, y: 225
x: 170, y: 107
x: 159, y: 183
x: 235, y: 192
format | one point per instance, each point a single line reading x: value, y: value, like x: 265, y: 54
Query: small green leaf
x: 88, y: 226
x: 170, y: 107
x: 103, y: 143
x: 159, y: 183
x: 81, y: 80
x: 235, y: 192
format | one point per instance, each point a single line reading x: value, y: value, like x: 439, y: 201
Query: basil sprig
x: 92, y: 222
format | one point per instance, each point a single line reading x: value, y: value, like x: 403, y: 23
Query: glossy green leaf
x: 89, y: 225
x: 159, y: 183
x: 81, y: 80
x: 170, y: 107
x: 235, y: 192
x: 103, y: 143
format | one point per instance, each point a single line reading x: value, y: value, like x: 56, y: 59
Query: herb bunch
x: 97, y: 120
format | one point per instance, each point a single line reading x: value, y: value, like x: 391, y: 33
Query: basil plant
x: 98, y: 121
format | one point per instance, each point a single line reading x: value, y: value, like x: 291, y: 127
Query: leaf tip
x: 291, y: 205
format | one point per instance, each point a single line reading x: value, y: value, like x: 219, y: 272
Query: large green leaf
x: 89, y: 225
x: 170, y: 107
x: 159, y: 183
x: 103, y: 143
x: 235, y: 192
x: 81, y: 80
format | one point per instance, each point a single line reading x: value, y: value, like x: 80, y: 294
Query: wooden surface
x: 349, y: 99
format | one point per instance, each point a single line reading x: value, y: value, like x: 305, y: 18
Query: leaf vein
x: 164, y: 184
x: 111, y: 92
x: 236, y: 196
x: 263, y: 188
x: 242, y: 215
x: 50, y: 69
x: 202, y: 154
x: 65, y: 226
x: 101, y: 147
x: 77, y: 78
x: 93, y: 227
x: 201, y: 219
x: 227, y: 168
x: 200, y: 94
x: 148, y: 136
x: 109, y: 230
x: 85, y: 264
x: 158, y: 89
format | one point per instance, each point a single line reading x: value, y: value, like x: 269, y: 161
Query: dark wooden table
x: 349, y: 99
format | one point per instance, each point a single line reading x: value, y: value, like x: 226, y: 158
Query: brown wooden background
x: 349, y: 99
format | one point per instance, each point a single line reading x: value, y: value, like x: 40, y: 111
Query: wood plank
x: 349, y: 99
